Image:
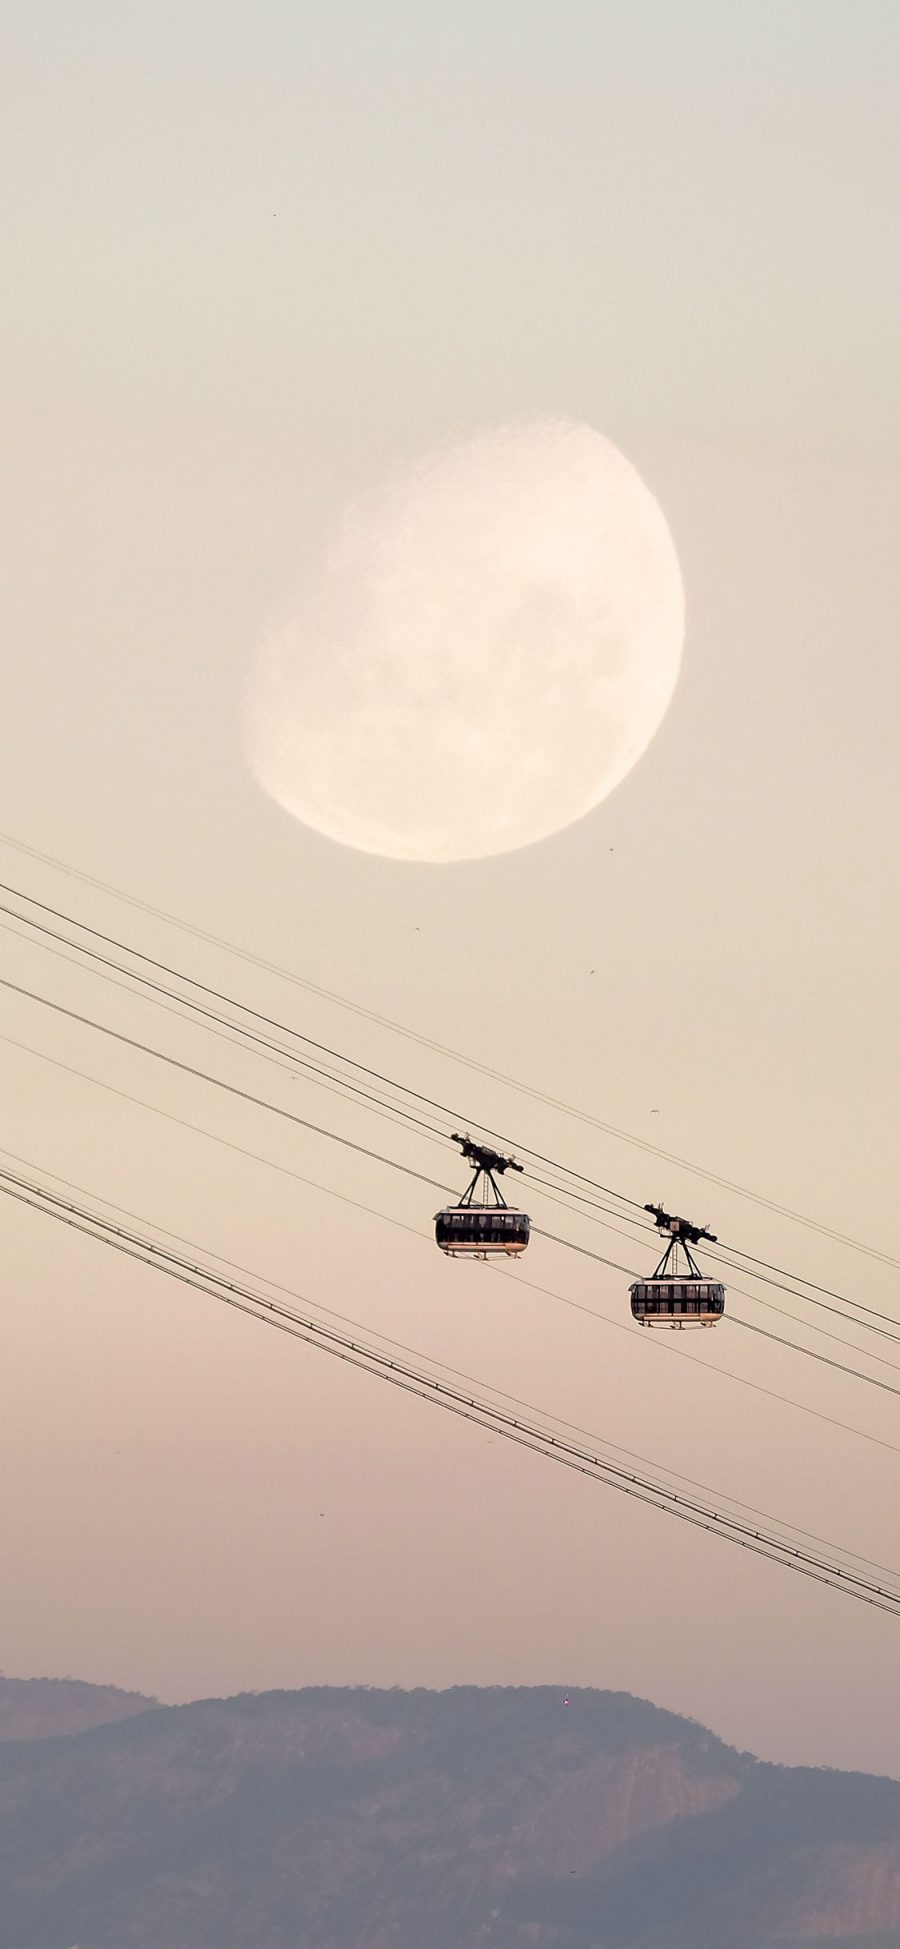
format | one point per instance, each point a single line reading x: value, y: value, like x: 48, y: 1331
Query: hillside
x: 469, y: 1819
x: 43, y: 1708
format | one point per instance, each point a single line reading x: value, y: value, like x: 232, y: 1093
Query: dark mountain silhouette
x: 468, y: 1819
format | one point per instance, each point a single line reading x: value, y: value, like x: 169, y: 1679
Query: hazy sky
x: 255, y: 258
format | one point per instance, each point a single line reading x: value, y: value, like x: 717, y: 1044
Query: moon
x: 484, y: 651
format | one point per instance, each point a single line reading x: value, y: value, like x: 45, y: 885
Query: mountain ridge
x: 47, y: 1708
x: 471, y: 1818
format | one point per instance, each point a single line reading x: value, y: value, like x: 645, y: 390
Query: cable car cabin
x: 677, y: 1302
x: 481, y: 1230
x: 676, y: 1295
x: 482, y: 1223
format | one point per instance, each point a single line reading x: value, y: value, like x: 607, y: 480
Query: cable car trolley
x: 482, y: 1223
x: 678, y: 1295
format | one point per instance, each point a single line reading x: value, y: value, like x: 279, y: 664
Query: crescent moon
x: 484, y: 652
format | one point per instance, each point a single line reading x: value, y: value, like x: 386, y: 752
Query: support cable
x: 291, y: 1116
x: 819, y: 1567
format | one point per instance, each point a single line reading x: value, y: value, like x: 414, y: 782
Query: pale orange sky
x: 258, y: 259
